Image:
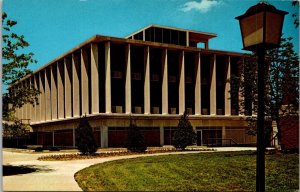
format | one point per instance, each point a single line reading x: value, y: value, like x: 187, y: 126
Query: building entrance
x: 199, y: 137
x: 209, y: 136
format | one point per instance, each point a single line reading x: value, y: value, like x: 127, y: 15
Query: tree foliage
x: 15, y: 67
x: 16, y: 129
x: 295, y: 15
x: 282, y: 85
x: 184, y: 135
x: 135, y: 140
x: 84, y: 137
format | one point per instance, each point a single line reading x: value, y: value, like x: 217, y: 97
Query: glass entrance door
x: 199, y: 137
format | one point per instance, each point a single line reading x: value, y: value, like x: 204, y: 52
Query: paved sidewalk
x: 59, y: 175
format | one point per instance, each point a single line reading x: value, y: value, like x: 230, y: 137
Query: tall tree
x: 282, y: 85
x: 135, y: 140
x: 295, y: 15
x: 15, y: 67
x: 84, y: 137
x: 184, y: 135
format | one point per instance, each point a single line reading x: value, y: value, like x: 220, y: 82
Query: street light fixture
x: 261, y: 28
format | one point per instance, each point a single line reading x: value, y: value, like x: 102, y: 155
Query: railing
x: 220, y: 142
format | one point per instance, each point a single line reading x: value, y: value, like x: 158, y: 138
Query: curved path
x: 57, y: 175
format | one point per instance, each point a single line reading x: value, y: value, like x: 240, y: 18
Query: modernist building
x: 152, y: 76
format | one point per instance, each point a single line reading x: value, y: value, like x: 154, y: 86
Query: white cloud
x: 202, y: 6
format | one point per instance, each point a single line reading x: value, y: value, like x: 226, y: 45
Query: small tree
x: 16, y: 130
x: 15, y: 61
x: 85, y: 140
x: 135, y: 139
x: 282, y: 87
x: 184, y: 135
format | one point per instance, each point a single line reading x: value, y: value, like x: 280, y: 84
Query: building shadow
x: 9, y: 170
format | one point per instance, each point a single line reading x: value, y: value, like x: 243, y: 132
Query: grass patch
x: 222, y: 171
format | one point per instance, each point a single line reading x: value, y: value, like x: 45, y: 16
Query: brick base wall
x: 289, y: 133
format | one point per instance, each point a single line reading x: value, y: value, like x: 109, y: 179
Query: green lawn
x: 234, y: 171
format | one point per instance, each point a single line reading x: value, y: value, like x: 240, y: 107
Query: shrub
x: 135, y: 139
x: 23, y: 147
x: 54, y: 149
x: 184, y: 135
x: 38, y: 149
x: 85, y: 140
x: 16, y: 129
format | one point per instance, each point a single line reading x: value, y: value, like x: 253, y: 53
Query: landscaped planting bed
x: 221, y: 171
x: 78, y: 156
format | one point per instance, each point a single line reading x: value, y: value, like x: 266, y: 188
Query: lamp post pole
x: 261, y: 28
x: 260, y: 158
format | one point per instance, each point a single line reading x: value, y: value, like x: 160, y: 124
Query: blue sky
x: 52, y: 27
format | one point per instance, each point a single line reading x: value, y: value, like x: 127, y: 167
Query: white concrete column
x: 38, y: 103
x: 75, y: 84
x: 31, y: 106
x: 224, y: 135
x: 187, y: 39
x: 74, y: 137
x: 162, y: 136
x: 42, y: 96
x: 54, y: 90
x: 165, y: 82
x: 19, y: 109
x: 198, y: 84
x: 128, y: 80
x: 181, y: 83
x: 95, y: 78
x: 275, y: 143
x: 147, y: 80
x: 26, y: 105
x: 22, y: 108
x: 68, y: 88
x: 84, y: 82
x: 53, y: 138
x: 213, y: 97
x: 144, y: 35
x: 227, y: 88
x: 107, y: 78
x: 48, y: 107
x: 23, y: 112
x: 60, y: 90
x: 104, y: 137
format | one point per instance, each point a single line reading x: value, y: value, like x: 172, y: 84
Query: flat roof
x: 195, y: 36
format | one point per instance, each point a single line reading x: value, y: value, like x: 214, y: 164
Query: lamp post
x: 261, y: 28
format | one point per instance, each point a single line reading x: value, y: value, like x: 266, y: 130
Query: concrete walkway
x: 59, y: 175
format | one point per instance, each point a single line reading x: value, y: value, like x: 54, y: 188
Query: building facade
x: 152, y: 76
